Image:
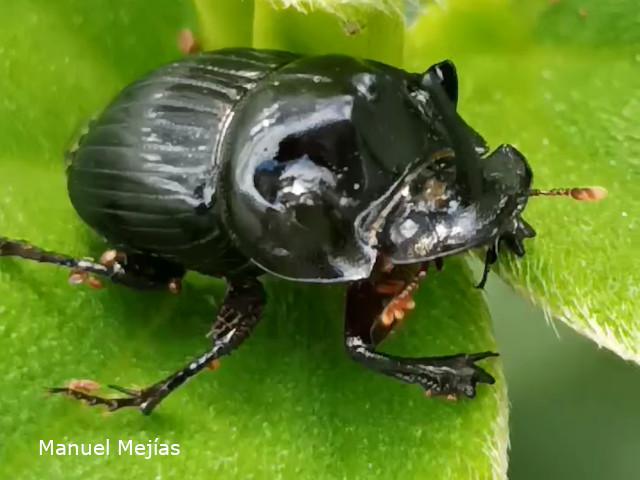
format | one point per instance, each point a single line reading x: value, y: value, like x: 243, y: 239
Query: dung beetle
x: 320, y: 169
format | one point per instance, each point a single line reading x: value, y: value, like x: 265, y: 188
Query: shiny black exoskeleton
x: 317, y: 169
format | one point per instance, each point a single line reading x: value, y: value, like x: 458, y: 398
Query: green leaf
x: 224, y: 23
x: 566, y: 91
x: 289, y: 403
x: 361, y: 28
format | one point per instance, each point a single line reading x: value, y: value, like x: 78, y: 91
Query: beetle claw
x: 452, y: 377
x: 474, y: 357
x: 126, y: 391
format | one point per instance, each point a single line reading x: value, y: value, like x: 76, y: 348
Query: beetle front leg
x: 239, y: 314
x: 136, y: 270
x: 448, y: 376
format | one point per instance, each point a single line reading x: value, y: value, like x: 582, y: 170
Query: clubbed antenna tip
x: 582, y: 194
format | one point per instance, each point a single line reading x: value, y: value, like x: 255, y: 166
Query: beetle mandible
x: 321, y: 169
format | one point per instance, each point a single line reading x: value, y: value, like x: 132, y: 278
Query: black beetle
x: 320, y: 169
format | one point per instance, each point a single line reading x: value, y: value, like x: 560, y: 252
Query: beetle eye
x: 444, y: 74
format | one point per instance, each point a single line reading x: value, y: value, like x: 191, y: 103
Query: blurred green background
x: 575, y: 409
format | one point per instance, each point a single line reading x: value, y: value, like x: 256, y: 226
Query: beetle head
x: 432, y: 211
x: 457, y: 198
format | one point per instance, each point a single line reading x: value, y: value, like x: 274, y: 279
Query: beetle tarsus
x: 112, y: 404
x: 239, y: 314
x: 138, y: 271
x: 453, y: 375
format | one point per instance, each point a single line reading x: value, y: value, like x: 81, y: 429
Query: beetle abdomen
x: 144, y: 175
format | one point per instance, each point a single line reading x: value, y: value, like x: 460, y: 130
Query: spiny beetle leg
x: 22, y: 249
x: 137, y: 271
x: 448, y: 376
x: 239, y: 314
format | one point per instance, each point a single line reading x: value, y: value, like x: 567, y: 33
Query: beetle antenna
x: 582, y: 194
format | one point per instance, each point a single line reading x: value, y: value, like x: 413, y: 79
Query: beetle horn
x: 582, y: 194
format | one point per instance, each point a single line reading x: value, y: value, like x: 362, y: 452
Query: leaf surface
x: 289, y: 403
